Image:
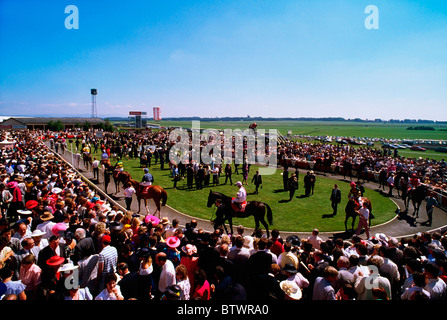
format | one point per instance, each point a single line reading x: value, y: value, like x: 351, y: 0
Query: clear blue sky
x: 225, y: 58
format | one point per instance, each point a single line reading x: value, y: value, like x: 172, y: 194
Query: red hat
x: 31, y: 204
x: 106, y: 238
x: 55, y: 261
x: 172, y: 242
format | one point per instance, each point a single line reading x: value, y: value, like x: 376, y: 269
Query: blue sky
x: 225, y: 58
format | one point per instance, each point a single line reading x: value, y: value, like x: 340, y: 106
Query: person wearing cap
x: 47, y: 224
x: 355, y: 194
x: 39, y: 242
x: 241, y: 195
x: 107, y: 261
x: 147, y: 179
x: 292, y: 185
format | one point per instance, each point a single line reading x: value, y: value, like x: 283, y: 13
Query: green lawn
x: 299, y: 215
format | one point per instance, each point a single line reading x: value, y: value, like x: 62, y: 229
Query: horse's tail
x: 269, y: 214
x: 164, y: 197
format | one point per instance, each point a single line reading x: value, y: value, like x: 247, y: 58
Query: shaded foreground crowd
x: 59, y: 240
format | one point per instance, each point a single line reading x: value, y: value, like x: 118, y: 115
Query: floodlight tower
x: 94, y: 92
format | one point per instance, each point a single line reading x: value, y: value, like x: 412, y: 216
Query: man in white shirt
x: 167, y: 275
x: 95, y: 166
x: 364, y: 220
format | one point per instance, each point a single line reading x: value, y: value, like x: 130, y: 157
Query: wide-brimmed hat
x: 152, y: 219
x: 165, y: 221
x: 11, y: 184
x: 56, y: 190
x: 290, y: 268
x: 189, y: 249
x: 291, y: 289
x: 55, y: 261
x: 173, y: 242
x: 31, y: 204
x: 58, y: 227
x: 143, y: 252
x: 68, y: 267
x: 116, y: 226
x: 24, y: 212
x: 46, y: 216
x: 37, y: 233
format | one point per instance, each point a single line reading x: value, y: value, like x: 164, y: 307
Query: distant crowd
x: 60, y: 240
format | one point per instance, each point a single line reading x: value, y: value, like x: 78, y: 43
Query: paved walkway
x: 403, y: 225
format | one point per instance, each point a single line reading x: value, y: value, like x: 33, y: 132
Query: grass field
x: 300, y: 215
x: 330, y: 128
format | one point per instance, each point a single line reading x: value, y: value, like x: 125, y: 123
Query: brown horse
x: 155, y: 192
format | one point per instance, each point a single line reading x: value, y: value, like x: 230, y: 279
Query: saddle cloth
x: 236, y: 207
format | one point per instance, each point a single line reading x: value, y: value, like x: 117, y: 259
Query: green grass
x: 330, y: 128
x: 299, y: 215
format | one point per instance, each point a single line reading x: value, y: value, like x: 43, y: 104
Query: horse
x: 155, y: 192
x: 256, y: 209
x: 118, y: 176
x: 87, y: 157
x: 351, y: 211
x: 417, y: 196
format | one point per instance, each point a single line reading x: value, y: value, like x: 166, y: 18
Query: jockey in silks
x: 241, y: 195
x: 147, y: 179
x: 413, y: 183
x: 119, y: 167
x: 86, y: 150
x: 355, y: 194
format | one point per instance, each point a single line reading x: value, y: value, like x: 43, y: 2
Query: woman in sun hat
x: 51, y: 275
x: 171, y: 250
x: 291, y: 290
x: 190, y: 260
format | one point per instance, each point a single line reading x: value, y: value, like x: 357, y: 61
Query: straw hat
x: 165, y: 221
x: 47, y: 215
x: 291, y: 289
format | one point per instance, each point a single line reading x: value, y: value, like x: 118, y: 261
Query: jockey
x: 119, y: 166
x: 413, y: 183
x: 86, y: 150
x: 241, y: 195
x: 104, y: 155
x: 147, y: 179
x: 355, y: 194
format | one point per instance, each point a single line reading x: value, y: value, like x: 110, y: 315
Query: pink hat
x: 152, y: 219
x: 172, y: 242
x: 58, y: 227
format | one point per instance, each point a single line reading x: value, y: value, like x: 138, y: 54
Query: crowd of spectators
x: 60, y: 240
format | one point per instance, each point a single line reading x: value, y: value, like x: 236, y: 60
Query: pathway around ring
x: 402, y: 225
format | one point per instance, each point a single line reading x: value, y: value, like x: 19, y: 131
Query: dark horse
x: 417, y: 196
x: 157, y: 193
x: 226, y: 212
x: 351, y: 211
x: 118, y: 176
x: 87, y: 157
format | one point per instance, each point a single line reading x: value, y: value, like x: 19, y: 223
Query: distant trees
x: 55, y: 125
x: 421, y: 128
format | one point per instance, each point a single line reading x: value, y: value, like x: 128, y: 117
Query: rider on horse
x: 355, y: 194
x: 147, y: 179
x: 413, y: 183
x: 241, y: 196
